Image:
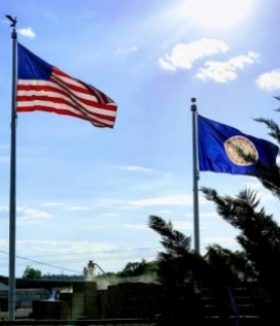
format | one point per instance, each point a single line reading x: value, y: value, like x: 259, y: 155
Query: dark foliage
x: 138, y: 269
x: 259, y: 236
x: 175, y: 271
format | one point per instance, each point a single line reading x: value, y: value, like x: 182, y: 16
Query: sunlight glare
x: 215, y: 13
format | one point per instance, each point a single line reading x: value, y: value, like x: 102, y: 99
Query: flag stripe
x: 57, y: 97
x: 60, y: 106
x: 79, y: 86
x: 64, y: 109
x: 57, y: 106
x: 63, y: 94
x: 33, y: 100
x: 50, y: 85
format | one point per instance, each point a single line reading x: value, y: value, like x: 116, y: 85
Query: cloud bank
x: 183, y: 55
x: 224, y: 72
x: 269, y: 81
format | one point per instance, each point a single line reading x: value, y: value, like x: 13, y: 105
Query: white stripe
x: 69, y: 80
x: 89, y: 108
x: 73, y: 82
x: 61, y: 106
x: 57, y: 86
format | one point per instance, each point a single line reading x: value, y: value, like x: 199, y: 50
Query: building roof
x: 4, y: 287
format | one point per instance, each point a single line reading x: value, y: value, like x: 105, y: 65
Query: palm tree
x: 270, y: 177
x: 260, y: 238
x: 175, y: 270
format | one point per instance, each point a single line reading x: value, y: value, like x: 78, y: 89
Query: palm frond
x: 272, y: 126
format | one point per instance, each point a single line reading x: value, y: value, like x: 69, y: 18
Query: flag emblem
x: 222, y: 148
x: 236, y: 145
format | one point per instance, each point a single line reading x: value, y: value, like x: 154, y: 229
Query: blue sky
x: 85, y: 193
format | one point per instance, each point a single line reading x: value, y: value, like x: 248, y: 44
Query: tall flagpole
x: 12, y: 227
x: 195, y: 177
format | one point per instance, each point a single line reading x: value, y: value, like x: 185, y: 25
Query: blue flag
x: 222, y: 148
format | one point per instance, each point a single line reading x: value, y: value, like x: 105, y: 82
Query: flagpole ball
x: 193, y: 106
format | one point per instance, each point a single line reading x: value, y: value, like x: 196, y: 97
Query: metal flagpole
x: 195, y: 177
x: 12, y: 227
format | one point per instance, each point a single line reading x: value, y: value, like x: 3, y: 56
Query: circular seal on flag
x: 237, y: 147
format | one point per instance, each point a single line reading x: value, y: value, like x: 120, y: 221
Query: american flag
x: 43, y: 87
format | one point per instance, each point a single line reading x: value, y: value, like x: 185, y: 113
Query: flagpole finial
x: 12, y: 20
x: 193, y: 106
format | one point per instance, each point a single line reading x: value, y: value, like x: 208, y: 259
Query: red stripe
x: 90, y: 90
x: 66, y: 93
x: 59, y: 101
x: 93, y: 120
x: 70, y: 87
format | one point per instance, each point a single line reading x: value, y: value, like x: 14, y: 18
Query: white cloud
x: 270, y: 80
x: 27, y: 32
x: 223, y: 72
x: 135, y: 168
x: 165, y: 65
x: 32, y: 212
x: 183, y: 55
x: 128, y: 50
x: 27, y: 215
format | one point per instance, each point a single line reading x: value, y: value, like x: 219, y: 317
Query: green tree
x: 184, y: 272
x: 31, y: 273
x: 259, y: 235
x: 175, y: 270
x: 132, y: 269
x: 229, y: 268
x: 270, y: 176
x: 177, y: 250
